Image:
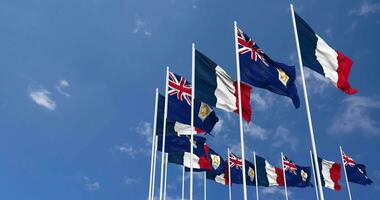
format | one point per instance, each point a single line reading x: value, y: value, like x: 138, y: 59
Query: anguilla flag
x: 179, y: 105
x: 221, y: 177
x: 296, y: 176
x: 330, y: 173
x: 236, y: 167
x: 319, y: 56
x: 216, y: 88
x: 175, y: 143
x: 356, y: 173
x: 257, y: 69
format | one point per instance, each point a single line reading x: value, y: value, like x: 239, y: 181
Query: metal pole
x: 183, y: 182
x: 164, y: 133
x: 192, y: 117
x: 204, y: 186
x: 166, y: 174
x: 315, y: 180
x: 314, y: 148
x: 283, y: 171
x: 153, y: 139
x: 240, y: 114
x: 345, y: 173
x: 229, y: 174
x: 256, y: 178
x: 154, y: 166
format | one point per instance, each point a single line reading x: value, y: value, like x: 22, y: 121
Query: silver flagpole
x: 229, y: 174
x: 164, y: 134
x: 240, y: 114
x: 153, y: 139
x: 154, y: 166
x: 183, y: 182
x: 283, y: 171
x: 256, y: 178
x: 315, y: 180
x: 204, y: 186
x: 345, y: 173
x: 166, y: 174
x: 313, y: 146
x: 192, y: 118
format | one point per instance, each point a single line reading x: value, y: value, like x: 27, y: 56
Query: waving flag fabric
x: 216, y: 88
x: 267, y: 175
x: 173, y: 127
x: 296, y: 176
x: 320, y: 57
x: 179, y: 105
x: 200, y: 159
x: 257, y: 69
x: 175, y: 143
x: 356, y: 173
x: 236, y: 167
x: 221, y: 177
x: 330, y: 173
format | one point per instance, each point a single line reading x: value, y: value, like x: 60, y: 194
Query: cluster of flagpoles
x: 164, y: 156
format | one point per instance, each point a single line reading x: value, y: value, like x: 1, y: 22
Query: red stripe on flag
x: 344, y: 68
x: 280, y: 176
x: 245, y: 100
x: 335, y: 175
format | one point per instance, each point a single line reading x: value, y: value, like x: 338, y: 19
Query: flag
x: 258, y: 70
x: 200, y: 159
x: 179, y: 105
x: 216, y: 88
x: 236, y: 167
x: 330, y: 173
x: 175, y: 143
x: 320, y: 57
x: 267, y: 175
x: 173, y: 127
x: 356, y: 173
x: 295, y: 175
x: 221, y: 177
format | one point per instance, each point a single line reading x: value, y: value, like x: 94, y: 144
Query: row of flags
x: 215, y: 88
x: 205, y: 159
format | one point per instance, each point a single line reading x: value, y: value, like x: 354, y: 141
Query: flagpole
x: 153, y: 141
x: 183, y: 182
x: 204, y: 186
x: 166, y: 174
x: 345, y: 173
x: 284, y: 175
x: 192, y: 117
x: 229, y: 174
x: 240, y: 114
x: 256, y: 178
x: 164, y: 133
x: 315, y: 181
x: 154, y: 166
x: 313, y: 145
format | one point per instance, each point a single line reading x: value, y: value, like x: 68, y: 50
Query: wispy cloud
x: 256, y: 131
x: 218, y: 128
x: 130, y: 180
x: 62, y: 85
x: 355, y: 115
x: 91, y: 185
x: 316, y: 83
x: 366, y: 8
x: 262, y: 100
x: 283, y: 137
x: 141, y: 27
x: 127, y: 149
x: 274, y: 190
x: 194, y: 4
x: 41, y: 97
x: 145, y: 129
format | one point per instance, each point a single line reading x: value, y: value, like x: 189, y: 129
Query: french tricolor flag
x: 319, y: 56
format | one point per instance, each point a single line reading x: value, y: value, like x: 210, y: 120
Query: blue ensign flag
x: 356, y: 173
x: 296, y: 176
x: 257, y: 69
x: 175, y: 143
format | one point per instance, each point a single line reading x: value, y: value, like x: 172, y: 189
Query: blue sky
x: 78, y: 78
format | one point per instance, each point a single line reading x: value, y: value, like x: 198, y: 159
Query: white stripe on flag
x: 271, y: 174
x: 183, y: 129
x: 328, y: 58
x: 225, y: 98
x: 186, y: 160
x: 326, y: 166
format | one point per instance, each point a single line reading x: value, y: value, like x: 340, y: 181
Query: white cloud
x: 127, y: 149
x: 141, y: 27
x: 194, y: 4
x: 130, y: 180
x: 256, y: 131
x: 329, y: 33
x: 41, y: 97
x: 275, y: 190
x: 315, y: 82
x: 283, y: 137
x: 91, y: 185
x: 218, y: 127
x: 366, y: 8
x: 262, y: 100
x: 145, y: 129
x: 355, y: 114
x: 62, y: 84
